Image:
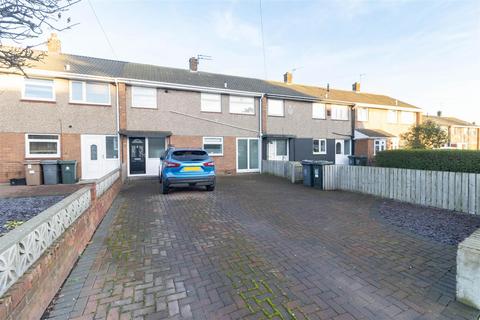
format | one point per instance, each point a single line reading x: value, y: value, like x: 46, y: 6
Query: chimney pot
x: 287, y: 77
x: 356, y: 86
x: 439, y: 113
x: 54, y: 44
x: 193, y: 64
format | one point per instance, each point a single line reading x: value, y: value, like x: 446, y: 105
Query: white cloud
x: 231, y: 28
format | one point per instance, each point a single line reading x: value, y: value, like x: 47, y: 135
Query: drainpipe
x: 117, y: 114
x: 260, y: 132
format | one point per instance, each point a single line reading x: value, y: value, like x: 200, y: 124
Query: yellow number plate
x: 191, y: 169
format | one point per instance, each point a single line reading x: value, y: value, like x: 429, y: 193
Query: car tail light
x: 169, y: 164
x: 209, y: 164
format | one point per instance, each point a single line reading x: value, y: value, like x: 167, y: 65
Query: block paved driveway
x: 256, y: 248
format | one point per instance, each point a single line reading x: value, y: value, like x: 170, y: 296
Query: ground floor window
x: 278, y: 149
x: 213, y: 145
x: 42, y: 145
x: 319, y: 146
x: 111, y: 145
x: 156, y: 147
x: 380, y: 145
x: 394, y: 143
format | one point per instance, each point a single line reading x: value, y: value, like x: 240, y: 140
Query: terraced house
x: 108, y: 114
x: 376, y: 121
x: 461, y: 134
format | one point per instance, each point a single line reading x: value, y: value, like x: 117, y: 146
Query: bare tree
x: 26, y: 20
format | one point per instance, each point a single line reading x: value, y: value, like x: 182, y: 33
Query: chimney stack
x: 356, y: 86
x: 54, y: 44
x: 193, y: 63
x: 439, y: 113
x: 287, y: 77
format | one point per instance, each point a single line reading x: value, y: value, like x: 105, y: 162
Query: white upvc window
x: 242, y: 105
x: 111, y: 147
x: 362, y: 114
x: 213, y: 145
x: 210, y: 102
x: 340, y: 112
x: 318, y: 110
x: 143, y: 97
x: 319, y: 146
x: 407, y: 117
x: 90, y: 92
x: 379, y: 145
x: 275, y: 108
x: 38, y: 89
x: 42, y: 145
x: 392, y: 116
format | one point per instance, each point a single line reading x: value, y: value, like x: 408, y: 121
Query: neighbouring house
x: 461, y: 134
x: 376, y: 121
x: 108, y: 114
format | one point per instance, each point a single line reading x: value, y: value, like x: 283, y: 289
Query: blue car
x: 187, y: 167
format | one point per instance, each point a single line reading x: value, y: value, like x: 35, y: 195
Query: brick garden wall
x: 30, y: 296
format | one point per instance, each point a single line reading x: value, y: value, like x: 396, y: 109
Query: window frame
x: 333, y: 106
x: 204, y: 94
x: 388, y: 116
x: 213, y: 154
x: 29, y: 155
x: 324, y: 111
x: 413, y: 117
x: 381, y: 142
x: 24, y: 97
x: 84, y: 93
x: 134, y: 88
x: 118, y: 149
x: 240, y: 97
x: 276, y: 114
x: 165, y: 148
x: 319, y: 146
x: 358, y: 114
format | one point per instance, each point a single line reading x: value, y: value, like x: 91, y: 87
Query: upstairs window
x: 392, y: 116
x: 211, y: 102
x: 318, y: 111
x: 362, y: 114
x: 213, y: 145
x: 144, y: 97
x: 340, y: 112
x: 39, y: 89
x: 275, y: 108
x: 408, y: 117
x: 42, y: 146
x: 90, y: 92
x: 242, y: 105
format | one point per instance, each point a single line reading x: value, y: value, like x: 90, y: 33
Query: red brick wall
x: 30, y: 296
x: 12, y: 155
x: 364, y: 147
x: 264, y: 114
x: 225, y: 164
x: 122, y: 103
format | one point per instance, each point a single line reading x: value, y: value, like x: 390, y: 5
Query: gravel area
x: 23, y: 209
x: 440, y: 225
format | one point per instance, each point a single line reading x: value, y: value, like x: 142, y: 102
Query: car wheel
x: 210, y: 187
x: 164, y: 187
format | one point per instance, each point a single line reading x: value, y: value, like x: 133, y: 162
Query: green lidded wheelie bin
x: 69, y: 171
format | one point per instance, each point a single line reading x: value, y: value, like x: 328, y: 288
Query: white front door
x: 278, y: 150
x: 342, y: 151
x: 248, y: 155
x: 96, y: 161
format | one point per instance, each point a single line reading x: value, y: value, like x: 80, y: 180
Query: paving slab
x: 257, y: 247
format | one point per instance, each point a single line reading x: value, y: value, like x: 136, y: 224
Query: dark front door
x: 137, y: 155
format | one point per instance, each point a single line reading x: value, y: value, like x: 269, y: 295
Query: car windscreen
x: 189, y: 155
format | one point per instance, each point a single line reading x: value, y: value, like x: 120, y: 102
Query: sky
x: 424, y: 52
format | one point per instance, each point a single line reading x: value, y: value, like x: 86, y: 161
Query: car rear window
x: 189, y: 155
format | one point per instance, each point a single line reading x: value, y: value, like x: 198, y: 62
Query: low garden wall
x: 468, y: 270
x: 36, y: 257
x: 292, y: 170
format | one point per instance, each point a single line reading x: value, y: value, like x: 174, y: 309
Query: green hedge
x: 437, y: 160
